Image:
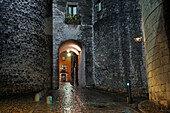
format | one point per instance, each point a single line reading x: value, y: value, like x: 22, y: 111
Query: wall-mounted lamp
x: 68, y: 54
x: 138, y: 39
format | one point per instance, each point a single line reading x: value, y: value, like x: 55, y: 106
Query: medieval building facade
x: 100, y: 34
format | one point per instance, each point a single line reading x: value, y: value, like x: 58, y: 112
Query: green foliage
x: 72, y: 19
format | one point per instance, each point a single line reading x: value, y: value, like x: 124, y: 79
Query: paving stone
x: 65, y: 101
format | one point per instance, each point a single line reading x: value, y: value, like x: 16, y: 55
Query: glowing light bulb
x: 68, y: 51
x: 68, y: 54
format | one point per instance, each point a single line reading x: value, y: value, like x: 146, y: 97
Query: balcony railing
x: 75, y: 20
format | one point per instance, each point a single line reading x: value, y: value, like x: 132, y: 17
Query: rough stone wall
x: 118, y: 57
x: 25, y: 51
x: 157, y: 47
x: 63, y: 32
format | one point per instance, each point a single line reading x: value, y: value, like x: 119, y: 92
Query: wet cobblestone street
x: 67, y: 100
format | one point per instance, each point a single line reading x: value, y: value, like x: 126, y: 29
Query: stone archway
x: 74, y: 71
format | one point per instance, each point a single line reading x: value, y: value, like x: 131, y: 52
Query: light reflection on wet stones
x: 65, y: 100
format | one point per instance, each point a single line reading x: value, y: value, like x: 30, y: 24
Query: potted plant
x: 72, y: 19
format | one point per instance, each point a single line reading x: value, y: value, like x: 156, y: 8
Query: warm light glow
x: 70, y: 47
x: 75, y: 51
x: 68, y: 51
x: 68, y: 54
x: 77, y: 47
x: 138, y: 39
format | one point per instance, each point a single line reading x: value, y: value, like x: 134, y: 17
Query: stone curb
x: 143, y: 111
x: 140, y: 106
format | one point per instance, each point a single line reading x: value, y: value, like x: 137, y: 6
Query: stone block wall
x: 117, y: 57
x: 111, y: 55
x: 25, y: 46
x: 63, y: 32
x: 157, y: 48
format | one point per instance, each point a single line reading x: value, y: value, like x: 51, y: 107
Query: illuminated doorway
x: 72, y: 63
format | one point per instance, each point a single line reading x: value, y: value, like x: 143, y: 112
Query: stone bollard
x: 49, y: 100
x: 37, y: 97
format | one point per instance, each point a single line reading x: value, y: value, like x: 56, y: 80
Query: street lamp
x: 68, y: 54
x: 129, y: 98
x: 138, y: 39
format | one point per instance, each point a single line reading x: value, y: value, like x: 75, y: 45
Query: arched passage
x: 72, y: 63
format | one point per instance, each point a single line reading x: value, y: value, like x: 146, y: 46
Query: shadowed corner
x: 167, y: 21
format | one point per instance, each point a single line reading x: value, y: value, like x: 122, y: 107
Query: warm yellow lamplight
x: 68, y: 54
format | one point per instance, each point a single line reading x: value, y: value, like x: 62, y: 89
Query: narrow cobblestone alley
x: 84, y: 56
x: 66, y: 100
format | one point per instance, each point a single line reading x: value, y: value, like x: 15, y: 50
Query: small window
x: 72, y: 14
x: 63, y: 66
x: 63, y: 58
x: 72, y: 10
x: 99, y: 4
